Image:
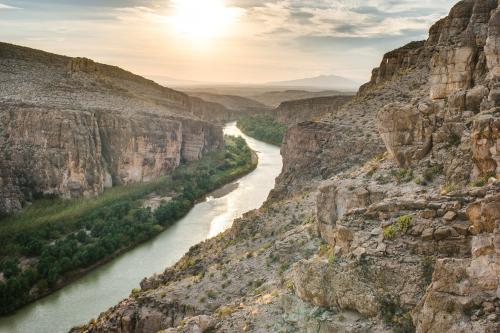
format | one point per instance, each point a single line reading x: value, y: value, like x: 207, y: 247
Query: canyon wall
x: 418, y: 227
x: 298, y: 111
x: 70, y: 127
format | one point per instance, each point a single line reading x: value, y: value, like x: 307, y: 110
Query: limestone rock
x: 298, y: 111
x: 405, y: 131
x: 485, y: 139
x: 76, y: 126
x: 335, y: 200
x: 450, y: 216
x: 483, y: 214
x: 492, y: 47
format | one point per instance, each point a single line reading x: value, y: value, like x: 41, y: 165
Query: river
x: 105, y: 286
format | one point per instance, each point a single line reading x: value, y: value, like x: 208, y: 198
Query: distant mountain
x: 322, y: 81
x: 170, y: 81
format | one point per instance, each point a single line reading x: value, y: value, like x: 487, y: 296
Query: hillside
x: 71, y: 127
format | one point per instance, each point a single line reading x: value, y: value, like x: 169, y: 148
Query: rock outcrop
x: 452, y: 132
x: 70, y: 127
x: 460, y: 110
x: 395, y: 62
x: 298, y: 111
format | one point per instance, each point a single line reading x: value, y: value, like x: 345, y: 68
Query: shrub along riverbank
x: 264, y: 128
x: 52, y: 242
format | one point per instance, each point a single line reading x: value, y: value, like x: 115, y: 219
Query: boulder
x: 407, y: 132
x: 483, y: 214
x: 485, y: 140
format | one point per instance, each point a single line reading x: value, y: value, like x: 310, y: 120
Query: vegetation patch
x: 449, y: 187
x: 59, y: 240
x: 432, y: 172
x: 264, y: 128
x: 480, y: 182
x: 402, y: 225
x: 394, y: 316
x: 402, y: 175
x: 453, y: 140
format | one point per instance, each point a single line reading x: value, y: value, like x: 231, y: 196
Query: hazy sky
x: 223, y: 40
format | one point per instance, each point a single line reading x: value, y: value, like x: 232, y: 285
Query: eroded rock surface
x: 298, y: 111
x: 70, y: 127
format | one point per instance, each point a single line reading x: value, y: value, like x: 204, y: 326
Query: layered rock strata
x: 70, y: 127
x: 298, y: 111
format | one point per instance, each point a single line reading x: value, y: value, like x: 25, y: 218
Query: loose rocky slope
x: 386, y: 217
x: 70, y: 127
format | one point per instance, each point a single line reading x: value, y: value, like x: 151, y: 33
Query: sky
x: 245, y: 41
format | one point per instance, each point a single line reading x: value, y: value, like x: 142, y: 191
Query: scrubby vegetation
x: 52, y: 241
x: 402, y: 175
x: 482, y: 181
x: 264, y: 128
x: 402, y: 225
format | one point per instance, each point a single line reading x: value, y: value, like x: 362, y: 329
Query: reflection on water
x: 108, y: 284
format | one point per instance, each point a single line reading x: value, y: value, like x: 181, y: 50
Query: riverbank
x: 264, y: 128
x: 109, y: 283
x: 89, y: 234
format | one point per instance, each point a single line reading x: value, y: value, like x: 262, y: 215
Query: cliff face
x: 424, y: 239
x: 298, y: 111
x: 386, y: 216
x: 319, y: 149
x: 71, y: 127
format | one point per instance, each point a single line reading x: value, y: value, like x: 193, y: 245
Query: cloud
x: 301, y: 17
x: 340, y: 18
x: 3, y: 6
x: 273, y: 38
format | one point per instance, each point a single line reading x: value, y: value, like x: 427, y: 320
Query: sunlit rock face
x: 459, y: 60
x: 460, y: 109
x: 71, y: 127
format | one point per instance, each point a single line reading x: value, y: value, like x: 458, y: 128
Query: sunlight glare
x: 201, y: 20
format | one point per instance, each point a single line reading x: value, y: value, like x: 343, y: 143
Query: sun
x: 202, y: 20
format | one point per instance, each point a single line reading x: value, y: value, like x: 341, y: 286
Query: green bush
x: 264, y: 128
x: 402, y: 175
x: 480, y: 182
x: 432, y: 172
x: 402, y: 225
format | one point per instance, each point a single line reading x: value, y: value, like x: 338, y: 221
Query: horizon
x: 244, y: 42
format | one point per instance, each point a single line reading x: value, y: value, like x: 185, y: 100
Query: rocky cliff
x: 413, y: 231
x: 298, y: 111
x: 70, y: 127
x: 386, y: 217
